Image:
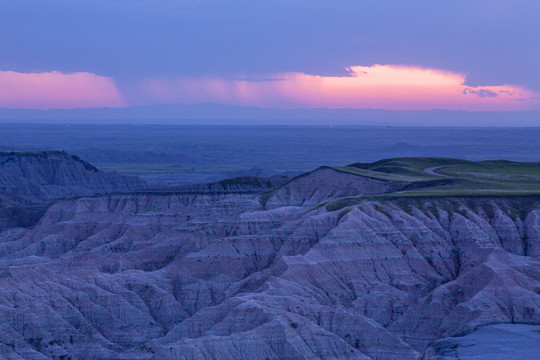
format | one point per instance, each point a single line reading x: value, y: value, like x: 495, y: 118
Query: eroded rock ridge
x: 231, y: 276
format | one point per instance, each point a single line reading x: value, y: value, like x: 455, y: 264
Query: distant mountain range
x: 209, y: 113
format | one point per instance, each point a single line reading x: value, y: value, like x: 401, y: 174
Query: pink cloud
x: 379, y: 86
x: 57, y: 90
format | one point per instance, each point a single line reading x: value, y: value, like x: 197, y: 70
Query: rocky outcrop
x: 325, y: 184
x: 243, y: 184
x: 29, y: 181
x: 48, y: 175
x: 219, y: 276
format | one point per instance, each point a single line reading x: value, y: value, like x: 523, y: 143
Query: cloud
x: 142, y: 38
x: 378, y: 86
x: 484, y: 92
x: 390, y: 87
x: 57, y: 90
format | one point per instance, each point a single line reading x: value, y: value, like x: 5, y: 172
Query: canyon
x: 332, y: 264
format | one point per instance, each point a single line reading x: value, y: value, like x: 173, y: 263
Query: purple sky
x: 461, y: 54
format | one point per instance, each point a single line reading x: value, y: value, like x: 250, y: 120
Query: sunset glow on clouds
x: 57, y: 90
x: 379, y: 86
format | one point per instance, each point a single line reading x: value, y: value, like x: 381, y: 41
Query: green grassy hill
x: 445, y: 177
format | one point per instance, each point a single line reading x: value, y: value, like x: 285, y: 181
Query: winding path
x: 431, y: 170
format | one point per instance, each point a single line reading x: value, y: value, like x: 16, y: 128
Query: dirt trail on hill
x: 431, y: 170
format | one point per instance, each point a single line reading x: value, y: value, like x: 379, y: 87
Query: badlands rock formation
x: 233, y: 276
x: 31, y: 180
x: 48, y: 175
x: 242, y: 184
x: 325, y: 184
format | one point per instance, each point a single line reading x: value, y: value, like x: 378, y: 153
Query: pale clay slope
x: 175, y: 276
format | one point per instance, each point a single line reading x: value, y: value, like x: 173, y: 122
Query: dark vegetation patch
x: 44, y: 155
x: 86, y: 164
x: 432, y: 183
x: 342, y: 203
x: 343, y: 213
x: 21, y: 216
x: 245, y: 181
x: 383, y: 210
x: 36, y: 154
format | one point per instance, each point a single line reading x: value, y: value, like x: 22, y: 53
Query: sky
x: 376, y: 54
